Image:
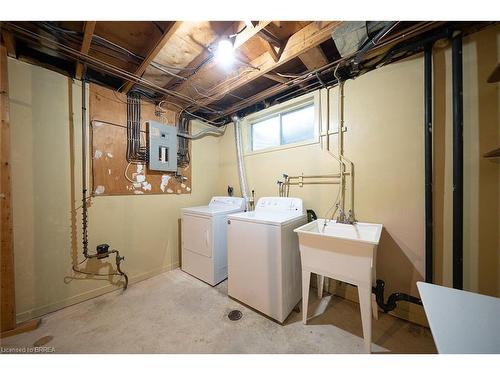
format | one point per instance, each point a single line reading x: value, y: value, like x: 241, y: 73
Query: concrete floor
x: 176, y: 313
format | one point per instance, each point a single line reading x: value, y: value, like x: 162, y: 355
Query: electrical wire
x: 125, y: 173
x: 183, y: 109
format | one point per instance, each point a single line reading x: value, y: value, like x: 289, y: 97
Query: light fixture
x: 224, y: 54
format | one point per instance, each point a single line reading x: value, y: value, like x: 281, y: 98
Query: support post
x: 8, y: 324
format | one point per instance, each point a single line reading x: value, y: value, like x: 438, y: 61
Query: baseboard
x: 407, y: 311
x: 49, y: 308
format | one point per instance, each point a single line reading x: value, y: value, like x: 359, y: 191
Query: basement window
x: 287, y: 127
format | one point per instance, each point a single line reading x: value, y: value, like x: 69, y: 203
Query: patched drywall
x: 46, y: 185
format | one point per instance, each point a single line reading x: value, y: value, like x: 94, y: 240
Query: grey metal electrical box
x: 162, y: 147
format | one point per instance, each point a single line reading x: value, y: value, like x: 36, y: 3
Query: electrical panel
x: 162, y: 147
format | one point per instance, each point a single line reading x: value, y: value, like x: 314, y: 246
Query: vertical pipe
x: 428, y: 162
x: 241, y: 163
x: 84, y: 170
x: 457, y: 162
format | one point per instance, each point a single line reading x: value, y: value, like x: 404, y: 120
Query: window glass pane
x: 266, y: 133
x: 298, y: 125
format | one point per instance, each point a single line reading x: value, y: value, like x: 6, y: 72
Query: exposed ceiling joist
x: 167, y: 34
x: 249, y: 32
x: 240, y: 39
x: 308, y: 37
x: 88, y: 31
x: 314, y: 58
x: 10, y: 43
x: 270, y: 37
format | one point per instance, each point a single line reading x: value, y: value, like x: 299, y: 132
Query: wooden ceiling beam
x: 314, y: 58
x: 155, y: 50
x: 308, y: 37
x: 10, y: 43
x: 249, y: 33
x: 240, y: 39
x: 88, y: 31
x: 270, y: 37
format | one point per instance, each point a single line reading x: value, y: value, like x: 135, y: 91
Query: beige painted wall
x: 384, y: 139
x: 143, y: 228
x: 384, y: 116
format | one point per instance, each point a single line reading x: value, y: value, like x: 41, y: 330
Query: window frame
x: 279, y: 111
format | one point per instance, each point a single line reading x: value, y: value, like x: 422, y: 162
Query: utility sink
x: 344, y: 252
x: 360, y: 232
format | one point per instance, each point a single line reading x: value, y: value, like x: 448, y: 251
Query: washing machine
x: 264, y: 269
x: 204, y: 238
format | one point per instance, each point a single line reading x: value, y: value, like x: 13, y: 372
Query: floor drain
x: 235, y: 315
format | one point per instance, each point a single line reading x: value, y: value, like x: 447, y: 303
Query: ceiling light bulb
x: 224, y: 53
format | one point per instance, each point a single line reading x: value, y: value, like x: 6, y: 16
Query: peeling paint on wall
x: 97, y: 154
x: 164, y: 182
x: 188, y: 189
x: 109, y: 154
x: 99, y: 189
x: 146, y: 185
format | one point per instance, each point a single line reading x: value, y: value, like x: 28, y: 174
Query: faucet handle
x: 350, y: 217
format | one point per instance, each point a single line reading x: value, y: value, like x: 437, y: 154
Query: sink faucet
x: 343, y: 218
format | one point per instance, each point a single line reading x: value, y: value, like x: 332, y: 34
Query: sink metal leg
x: 306, y: 280
x: 320, y: 280
x: 365, y: 302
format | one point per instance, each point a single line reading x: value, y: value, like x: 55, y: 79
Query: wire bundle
x: 183, y: 143
x: 135, y: 152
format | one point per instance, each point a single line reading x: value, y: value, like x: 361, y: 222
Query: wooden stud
x: 8, y: 298
x: 27, y: 326
x: 87, y: 40
x: 8, y: 326
x: 167, y: 34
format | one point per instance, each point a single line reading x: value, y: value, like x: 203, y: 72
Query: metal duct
x: 239, y: 157
x: 350, y: 37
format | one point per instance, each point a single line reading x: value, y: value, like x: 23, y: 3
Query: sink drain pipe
x: 393, y: 298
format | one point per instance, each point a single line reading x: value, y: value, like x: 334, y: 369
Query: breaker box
x: 162, y: 146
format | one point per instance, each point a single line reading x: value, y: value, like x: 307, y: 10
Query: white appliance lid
x: 218, y: 206
x: 236, y: 202
x: 280, y: 204
x: 272, y: 218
